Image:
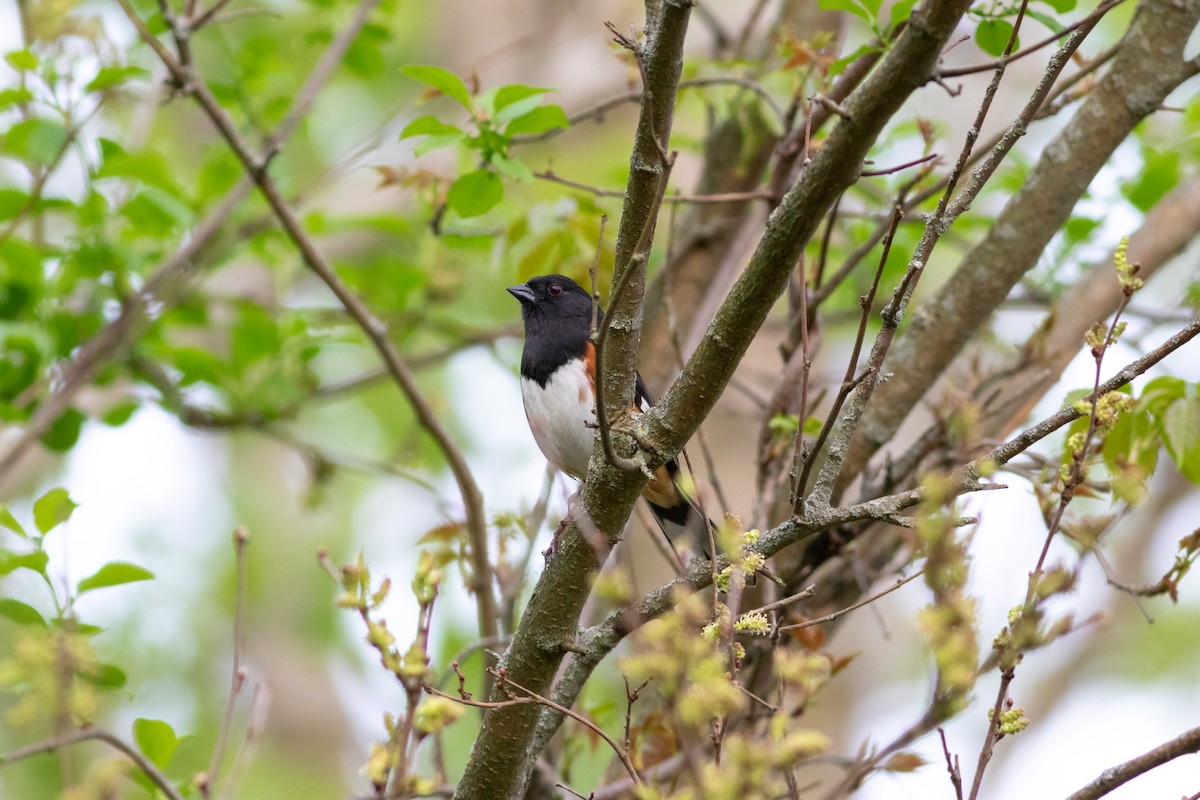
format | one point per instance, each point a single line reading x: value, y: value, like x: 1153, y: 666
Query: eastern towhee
x: 558, y: 386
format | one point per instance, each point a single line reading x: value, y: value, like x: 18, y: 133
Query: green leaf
x: 63, y: 433
x: 110, y: 76
x: 198, y: 365
x: 21, y: 60
x: 1047, y: 19
x: 156, y: 213
x: 114, y: 573
x: 507, y: 95
x: 121, y: 413
x: 512, y: 168
x: 10, y: 522
x: 35, y: 140
x: 428, y: 125
x: 839, y: 66
x: 35, y: 561
x: 992, y: 36
x: 1160, y: 393
x: 901, y: 11
x: 52, y: 509
x: 1061, y: 6
x: 1181, y: 430
x: 475, y: 193
x: 857, y: 9
x: 12, y: 203
x: 518, y: 109
x: 1158, y: 175
x: 156, y: 739
x: 14, y: 97
x: 539, y: 120
x: 441, y: 79
x: 432, y: 143
x: 253, y: 337
x: 108, y: 676
x: 20, y: 613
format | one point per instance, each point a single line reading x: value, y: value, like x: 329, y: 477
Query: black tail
x: 678, y: 515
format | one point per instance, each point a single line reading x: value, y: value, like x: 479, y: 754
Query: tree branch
x: 156, y: 776
x: 1148, y: 66
x: 1184, y: 744
x: 175, y: 273
x: 503, y: 757
x: 376, y: 331
x: 595, y: 643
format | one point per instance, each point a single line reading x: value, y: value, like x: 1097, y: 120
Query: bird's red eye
x: 555, y: 289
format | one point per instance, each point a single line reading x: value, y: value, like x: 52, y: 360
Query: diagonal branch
x: 53, y: 744
x: 1148, y: 67
x: 595, y: 643
x: 186, y: 77
x: 503, y: 756
x: 175, y: 273
x: 1184, y: 744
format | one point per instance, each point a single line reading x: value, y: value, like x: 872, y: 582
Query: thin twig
x: 237, y: 676
x: 835, y: 615
x: 849, y: 382
x: 787, y: 601
x: 952, y: 766
x: 695, y: 199
x: 1099, y: 12
x: 89, y: 733
x: 375, y: 330
x: 871, y: 173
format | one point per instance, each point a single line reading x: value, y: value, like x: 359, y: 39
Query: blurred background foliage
x: 250, y: 398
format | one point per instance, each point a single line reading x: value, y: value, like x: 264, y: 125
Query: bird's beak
x: 523, y: 293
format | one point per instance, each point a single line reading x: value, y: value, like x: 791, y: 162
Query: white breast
x: 560, y: 415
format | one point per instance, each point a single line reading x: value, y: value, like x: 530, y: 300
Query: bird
x: 558, y: 388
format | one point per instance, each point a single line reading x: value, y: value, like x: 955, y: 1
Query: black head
x: 552, y: 296
x: 558, y: 321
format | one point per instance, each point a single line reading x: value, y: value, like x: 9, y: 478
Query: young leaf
x: 432, y: 143
x: 901, y: 11
x: 441, y: 79
x: 839, y: 66
x: 992, y: 36
x: 52, y: 509
x: 507, y: 95
x: 121, y: 413
x: 156, y: 739
x: 428, y: 125
x: 10, y: 522
x: 512, y: 168
x: 63, y: 433
x: 35, y: 561
x: 857, y: 9
x: 37, y: 140
x: 110, y: 76
x: 20, y: 613
x: 518, y: 109
x: 114, y: 573
x: 1181, y: 430
x: 108, y: 676
x: 475, y: 193
x: 539, y: 120
x: 21, y: 60
x: 1048, y: 20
